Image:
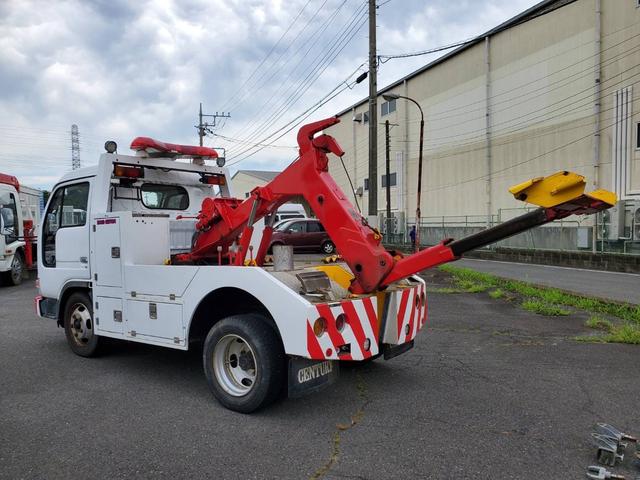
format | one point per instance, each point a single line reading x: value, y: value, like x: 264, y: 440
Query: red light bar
x: 150, y: 145
x: 10, y: 180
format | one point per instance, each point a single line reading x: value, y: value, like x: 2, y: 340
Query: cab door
x: 64, y: 238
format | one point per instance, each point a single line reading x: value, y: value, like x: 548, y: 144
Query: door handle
x: 84, y: 260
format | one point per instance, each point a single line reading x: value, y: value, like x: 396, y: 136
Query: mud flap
x: 391, y: 351
x: 308, y: 376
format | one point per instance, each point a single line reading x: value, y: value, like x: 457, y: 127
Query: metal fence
x: 574, y: 234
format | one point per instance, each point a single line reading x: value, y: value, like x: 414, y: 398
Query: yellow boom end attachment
x: 556, y: 189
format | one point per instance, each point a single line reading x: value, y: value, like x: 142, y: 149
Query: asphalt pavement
x: 488, y: 392
x: 622, y: 287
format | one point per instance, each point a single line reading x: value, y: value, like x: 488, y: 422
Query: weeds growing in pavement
x: 599, y: 323
x: 623, y: 311
x: 549, y: 301
x: 627, y: 333
x: 497, y: 293
x: 541, y: 308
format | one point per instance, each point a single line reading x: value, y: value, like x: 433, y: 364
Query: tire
x: 78, y: 325
x: 328, y: 247
x: 244, y: 362
x: 16, y: 274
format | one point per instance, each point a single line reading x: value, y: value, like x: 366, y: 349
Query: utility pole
x: 373, y: 118
x: 388, y: 176
x: 75, y: 147
x: 205, y: 127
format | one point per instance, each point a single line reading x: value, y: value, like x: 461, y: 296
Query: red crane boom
x: 222, y: 220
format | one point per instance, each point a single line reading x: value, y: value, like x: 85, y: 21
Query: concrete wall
x: 540, y: 83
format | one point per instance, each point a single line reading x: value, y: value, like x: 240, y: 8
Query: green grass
x: 624, y: 311
x: 497, y: 293
x: 627, y: 333
x: 599, y: 323
x: 471, y: 287
x: 549, y: 301
x: 447, y: 290
x: 541, y: 308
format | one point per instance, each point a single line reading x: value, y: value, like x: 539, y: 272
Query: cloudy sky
x: 120, y: 69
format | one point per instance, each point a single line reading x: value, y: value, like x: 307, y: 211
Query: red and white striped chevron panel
x: 406, y: 314
x: 410, y: 313
x: 361, y: 324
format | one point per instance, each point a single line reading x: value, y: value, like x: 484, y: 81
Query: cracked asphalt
x: 488, y: 392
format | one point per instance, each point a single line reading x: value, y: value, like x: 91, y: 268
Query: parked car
x: 303, y: 234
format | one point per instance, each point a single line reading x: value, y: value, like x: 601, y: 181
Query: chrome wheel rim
x: 16, y: 269
x: 81, y: 324
x: 328, y: 248
x: 234, y: 365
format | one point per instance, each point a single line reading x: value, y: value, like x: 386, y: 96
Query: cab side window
x: 68, y: 208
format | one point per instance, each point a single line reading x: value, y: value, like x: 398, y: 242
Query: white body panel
x: 140, y: 278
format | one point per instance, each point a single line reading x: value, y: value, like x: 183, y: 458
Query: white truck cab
x: 104, y: 265
x: 16, y: 222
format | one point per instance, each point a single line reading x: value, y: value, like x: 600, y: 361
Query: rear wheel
x: 78, y: 325
x: 244, y: 362
x: 328, y: 247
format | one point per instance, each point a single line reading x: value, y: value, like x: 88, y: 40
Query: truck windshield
x: 8, y: 217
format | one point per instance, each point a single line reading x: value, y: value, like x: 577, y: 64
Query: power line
x: 586, y: 72
x: 527, y: 121
x: 232, y: 97
x: 237, y: 140
x: 310, y: 78
x: 386, y: 58
x: 553, y: 150
x: 294, y: 89
x: 303, y: 116
x: 273, y: 69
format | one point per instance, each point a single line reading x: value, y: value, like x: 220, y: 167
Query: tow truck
x: 155, y: 249
x: 17, y: 232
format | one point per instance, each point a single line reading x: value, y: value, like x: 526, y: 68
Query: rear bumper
x: 373, y: 323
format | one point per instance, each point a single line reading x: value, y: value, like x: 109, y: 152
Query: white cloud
x: 121, y: 69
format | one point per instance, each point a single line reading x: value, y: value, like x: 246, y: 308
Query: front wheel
x: 244, y: 362
x: 78, y: 325
x: 15, y: 275
x: 328, y: 247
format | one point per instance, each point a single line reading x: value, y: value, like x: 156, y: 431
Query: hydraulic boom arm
x: 222, y: 220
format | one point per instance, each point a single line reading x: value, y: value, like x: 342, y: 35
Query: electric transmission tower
x: 75, y: 147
